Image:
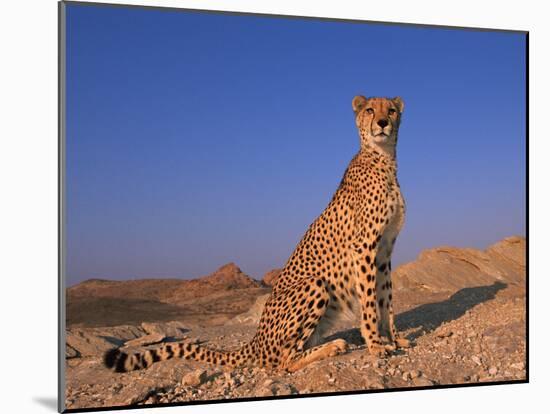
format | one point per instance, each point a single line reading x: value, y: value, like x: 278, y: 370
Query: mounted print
x: 259, y: 206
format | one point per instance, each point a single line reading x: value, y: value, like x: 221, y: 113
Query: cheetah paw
x: 338, y: 346
x: 378, y: 350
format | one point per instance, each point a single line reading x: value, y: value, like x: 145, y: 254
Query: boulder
x: 145, y: 340
x: 252, y: 316
x: 195, y: 378
x: 173, y: 329
x: 86, y: 342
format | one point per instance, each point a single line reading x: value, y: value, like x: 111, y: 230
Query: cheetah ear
x: 398, y: 102
x: 358, y: 103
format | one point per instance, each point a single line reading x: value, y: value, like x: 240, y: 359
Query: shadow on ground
x: 430, y: 316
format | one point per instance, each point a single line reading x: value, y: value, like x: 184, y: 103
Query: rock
x: 504, y: 261
x: 422, y: 382
x: 511, y: 249
x: 70, y: 352
x: 476, y: 359
x: 415, y: 374
x: 195, y: 378
x: 265, y: 392
x: 283, y: 389
x: 406, y: 376
x: 229, y: 276
x: 376, y: 384
x: 145, y: 340
x: 275, y: 388
x: 518, y: 365
x: 173, y: 329
x: 493, y: 371
x: 252, y: 316
x: 95, y: 341
x: 99, y: 303
x: 234, y: 382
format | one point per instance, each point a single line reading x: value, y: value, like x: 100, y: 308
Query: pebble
x: 376, y: 384
x: 415, y: 374
x: 422, y: 382
x: 195, y: 378
x: 518, y: 365
x: 493, y: 370
x: 476, y: 359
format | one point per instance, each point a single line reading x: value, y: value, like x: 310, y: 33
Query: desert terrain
x: 464, y: 309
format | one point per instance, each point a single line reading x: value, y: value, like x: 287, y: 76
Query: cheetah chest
x: 396, y: 217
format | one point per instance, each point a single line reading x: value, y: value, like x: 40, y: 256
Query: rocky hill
x: 463, y: 308
x: 98, y: 302
x: 446, y: 269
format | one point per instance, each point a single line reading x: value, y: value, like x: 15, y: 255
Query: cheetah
x: 342, y: 265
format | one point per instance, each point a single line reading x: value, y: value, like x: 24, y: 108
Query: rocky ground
x: 463, y: 308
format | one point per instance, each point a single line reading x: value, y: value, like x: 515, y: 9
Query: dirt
x: 471, y: 329
x: 211, y: 299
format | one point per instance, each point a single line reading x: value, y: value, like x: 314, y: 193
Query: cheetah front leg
x: 365, y: 272
x: 385, y: 298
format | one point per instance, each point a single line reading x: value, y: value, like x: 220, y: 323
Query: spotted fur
x: 341, y: 265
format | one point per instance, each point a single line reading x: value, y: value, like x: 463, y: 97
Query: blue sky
x: 196, y: 139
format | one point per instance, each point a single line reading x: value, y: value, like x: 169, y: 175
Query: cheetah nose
x: 383, y: 123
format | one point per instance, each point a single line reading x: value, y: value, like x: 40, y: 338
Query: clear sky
x: 197, y: 139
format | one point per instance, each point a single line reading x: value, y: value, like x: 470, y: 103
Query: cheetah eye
x: 391, y: 111
x: 370, y: 110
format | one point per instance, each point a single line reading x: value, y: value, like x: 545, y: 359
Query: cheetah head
x: 377, y: 120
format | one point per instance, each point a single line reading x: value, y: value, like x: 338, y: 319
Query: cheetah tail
x: 120, y: 361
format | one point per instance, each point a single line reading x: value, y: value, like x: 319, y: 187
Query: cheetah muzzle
x: 341, y: 265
